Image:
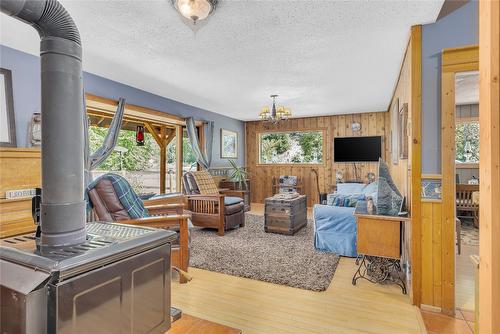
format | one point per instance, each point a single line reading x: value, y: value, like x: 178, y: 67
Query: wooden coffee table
x: 193, y: 325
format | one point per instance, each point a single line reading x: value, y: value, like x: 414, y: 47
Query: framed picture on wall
x: 7, y: 122
x: 228, y: 144
x: 394, y: 132
x: 403, y: 132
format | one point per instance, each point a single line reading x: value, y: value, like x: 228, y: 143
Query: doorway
x: 458, y: 66
x: 467, y: 188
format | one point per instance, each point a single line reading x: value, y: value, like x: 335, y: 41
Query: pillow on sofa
x: 350, y: 188
x: 344, y: 200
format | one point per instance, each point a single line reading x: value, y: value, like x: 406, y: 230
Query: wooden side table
x: 379, y: 242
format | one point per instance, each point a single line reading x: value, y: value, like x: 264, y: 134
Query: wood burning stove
x: 73, y: 276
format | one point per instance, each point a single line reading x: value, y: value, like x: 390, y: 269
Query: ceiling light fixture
x: 195, y: 10
x: 276, y: 114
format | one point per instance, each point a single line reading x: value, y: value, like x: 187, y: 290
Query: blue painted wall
x: 26, y: 89
x: 459, y: 28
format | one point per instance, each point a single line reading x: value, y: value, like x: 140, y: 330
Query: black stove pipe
x: 63, y: 206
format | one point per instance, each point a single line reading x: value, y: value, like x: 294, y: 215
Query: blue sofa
x: 335, y: 227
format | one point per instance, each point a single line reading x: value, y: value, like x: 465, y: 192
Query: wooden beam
x: 163, y: 161
x: 448, y: 192
x: 178, y: 166
x: 99, y: 103
x: 489, y: 173
x: 152, y: 131
x: 170, y: 136
x: 416, y: 161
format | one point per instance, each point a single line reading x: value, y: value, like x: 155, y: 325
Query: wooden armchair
x: 211, y: 207
x: 108, y: 205
x: 465, y: 201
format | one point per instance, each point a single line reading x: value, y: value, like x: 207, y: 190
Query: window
x: 467, y: 142
x: 138, y: 164
x: 304, y: 147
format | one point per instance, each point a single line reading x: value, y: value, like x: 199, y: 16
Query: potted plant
x: 238, y: 174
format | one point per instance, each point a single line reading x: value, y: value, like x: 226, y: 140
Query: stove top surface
x: 106, y: 242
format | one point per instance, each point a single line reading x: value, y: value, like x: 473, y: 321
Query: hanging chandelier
x: 195, y: 10
x: 276, y: 114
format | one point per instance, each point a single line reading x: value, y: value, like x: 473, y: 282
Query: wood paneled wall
x: 19, y: 169
x: 489, y: 122
x: 407, y: 172
x: 372, y: 124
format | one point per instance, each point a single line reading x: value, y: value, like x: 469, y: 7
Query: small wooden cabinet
x: 380, y: 247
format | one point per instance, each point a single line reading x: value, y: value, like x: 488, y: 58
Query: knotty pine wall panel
x: 372, y: 124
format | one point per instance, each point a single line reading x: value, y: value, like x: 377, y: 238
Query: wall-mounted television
x: 357, y: 149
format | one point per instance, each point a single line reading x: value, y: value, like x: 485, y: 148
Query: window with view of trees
x: 300, y: 147
x: 467, y: 142
x: 140, y: 165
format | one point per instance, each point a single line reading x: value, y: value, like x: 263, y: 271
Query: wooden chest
x: 285, y: 216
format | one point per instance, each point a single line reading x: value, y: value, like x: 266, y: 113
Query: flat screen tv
x: 357, y: 149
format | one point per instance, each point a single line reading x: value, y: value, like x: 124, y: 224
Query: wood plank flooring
x: 261, y: 307
x: 465, y: 278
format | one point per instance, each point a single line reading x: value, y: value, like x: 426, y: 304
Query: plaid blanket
x: 127, y: 196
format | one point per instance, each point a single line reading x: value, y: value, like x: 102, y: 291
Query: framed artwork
x: 403, y: 132
x: 228, y: 144
x: 394, y: 132
x: 7, y: 122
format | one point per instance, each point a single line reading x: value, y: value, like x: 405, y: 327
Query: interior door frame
x: 454, y: 60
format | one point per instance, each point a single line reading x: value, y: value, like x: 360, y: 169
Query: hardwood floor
x: 465, y: 278
x: 261, y: 307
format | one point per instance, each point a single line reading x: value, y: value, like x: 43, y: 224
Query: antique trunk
x: 285, y: 216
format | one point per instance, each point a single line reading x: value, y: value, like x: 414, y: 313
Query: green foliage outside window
x: 467, y: 132
x: 136, y: 158
x: 291, y: 147
x: 188, y: 158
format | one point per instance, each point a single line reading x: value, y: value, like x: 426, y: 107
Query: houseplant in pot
x: 238, y: 175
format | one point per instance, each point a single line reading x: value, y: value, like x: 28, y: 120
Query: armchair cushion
x: 205, y: 183
x: 229, y: 200
x: 234, y: 208
x: 118, y: 197
x: 190, y: 186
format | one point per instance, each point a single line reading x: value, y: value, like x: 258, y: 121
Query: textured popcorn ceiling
x: 322, y: 57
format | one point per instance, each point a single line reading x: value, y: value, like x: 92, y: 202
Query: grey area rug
x: 250, y: 252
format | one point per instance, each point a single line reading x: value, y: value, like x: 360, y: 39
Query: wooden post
x: 178, y: 169
x: 416, y: 162
x: 489, y: 166
x: 163, y: 160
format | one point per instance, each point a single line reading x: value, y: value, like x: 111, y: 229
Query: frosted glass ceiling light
x: 195, y: 10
